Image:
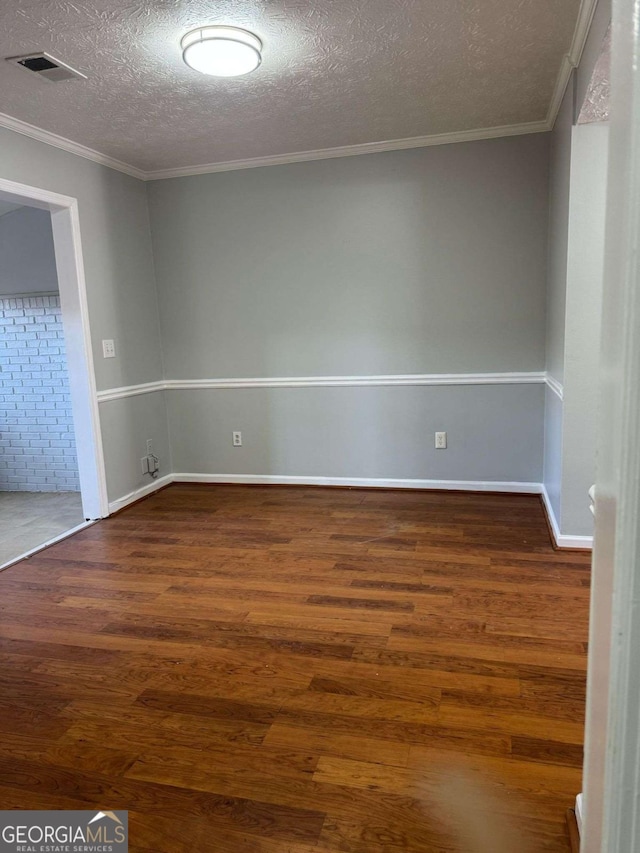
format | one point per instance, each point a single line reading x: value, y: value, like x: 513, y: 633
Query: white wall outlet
x: 109, y: 349
x: 149, y: 446
x: 144, y: 462
x: 441, y: 441
x: 237, y: 439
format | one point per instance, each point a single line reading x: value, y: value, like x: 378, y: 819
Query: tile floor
x: 28, y: 519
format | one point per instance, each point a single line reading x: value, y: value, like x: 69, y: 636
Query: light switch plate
x: 109, y: 349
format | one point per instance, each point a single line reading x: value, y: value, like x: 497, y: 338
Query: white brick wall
x: 37, y: 444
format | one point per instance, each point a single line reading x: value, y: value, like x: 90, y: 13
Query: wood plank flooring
x: 293, y: 670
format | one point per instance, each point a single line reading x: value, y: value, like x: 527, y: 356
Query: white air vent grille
x: 47, y: 67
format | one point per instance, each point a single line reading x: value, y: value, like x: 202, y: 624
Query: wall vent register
x: 47, y: 66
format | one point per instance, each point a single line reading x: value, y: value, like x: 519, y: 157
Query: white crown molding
x: 49, y: 138
x: 562, y: 81
x: 581, y: 33
x: 556, y: 387
x: 352, y: 150
x: 571, y: 60
x: 324, y: 382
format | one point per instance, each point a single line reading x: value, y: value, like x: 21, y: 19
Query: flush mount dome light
x: 221, y: 51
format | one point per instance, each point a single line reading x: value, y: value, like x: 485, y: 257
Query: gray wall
x: 426, y: 261
x: 120, y: 285
x: 423, y: 261
x: 27, y: 257
x: 126, y: 424
x: 117, y: 252
x: 377, y: 264
x: 494, y: 432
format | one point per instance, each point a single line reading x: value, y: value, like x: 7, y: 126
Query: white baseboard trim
x: 579, y: 813
x: 354, y: 482
x: 153, y: 486
x: 509, y: 487
x: 562, y: 540
x: 361, y: 482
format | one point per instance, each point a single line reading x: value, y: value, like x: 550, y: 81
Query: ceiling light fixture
x: 221, y: 51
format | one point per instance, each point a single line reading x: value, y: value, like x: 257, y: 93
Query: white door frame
x: 75, y: 320
x: 612, y: 757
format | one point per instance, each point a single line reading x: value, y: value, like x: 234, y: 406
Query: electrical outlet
x: 109, y: 349
x: 149, y: 446
x: 441, y: 441
x: 144, y: 462
x: 237, y: 439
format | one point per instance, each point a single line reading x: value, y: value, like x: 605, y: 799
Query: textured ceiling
x: 334, y: 73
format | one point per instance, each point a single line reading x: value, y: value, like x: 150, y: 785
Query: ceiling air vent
x: 47, y: 66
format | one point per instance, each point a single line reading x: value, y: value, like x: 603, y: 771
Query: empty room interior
x: 301, y: 307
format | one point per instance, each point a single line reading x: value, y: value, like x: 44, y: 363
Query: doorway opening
x: 52, y: 478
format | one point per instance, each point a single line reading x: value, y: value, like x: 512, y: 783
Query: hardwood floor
x: 288, y: 670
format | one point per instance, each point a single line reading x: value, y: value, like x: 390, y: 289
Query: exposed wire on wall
x: 154, y: 465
